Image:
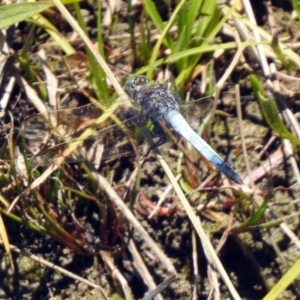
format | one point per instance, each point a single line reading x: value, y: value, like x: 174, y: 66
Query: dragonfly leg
x: 158, y: 132
x: 162, y: 138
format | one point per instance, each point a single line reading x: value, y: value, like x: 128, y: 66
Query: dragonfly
x: 46, y: 134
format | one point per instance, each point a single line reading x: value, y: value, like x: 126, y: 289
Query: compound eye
x: 134, y: 84
x: 130, y: 87
x: 141, y: 81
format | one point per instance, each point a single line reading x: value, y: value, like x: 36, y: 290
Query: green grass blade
x: 284, y: 282
x: 194, y: 9
x: 13, y: 13
x: 97, y: 73
x: 186, y: 23
x: 296, y: 6
x: 257, y: 215
x: 270, y: 111
x: 158, y: 22
x: 202, y: 49
x: 215, y: 26
x: 54, y: 33
x: 162, y: 37
x: 280, y: 55
x: 209, y: 20
x: 17, y: 12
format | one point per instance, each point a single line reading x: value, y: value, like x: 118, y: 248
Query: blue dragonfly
x: 45, y: 135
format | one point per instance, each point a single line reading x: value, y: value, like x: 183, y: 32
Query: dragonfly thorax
x: 155, y: 99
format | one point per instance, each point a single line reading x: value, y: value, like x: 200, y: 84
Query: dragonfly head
x: 134, y: 84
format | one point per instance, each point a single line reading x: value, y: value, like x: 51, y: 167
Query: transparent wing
x: 190, y: 109
x: 196, y: 108
x: 48, y: 135
x: 170, y: 84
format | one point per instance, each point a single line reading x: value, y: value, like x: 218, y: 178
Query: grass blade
x: 270, y: 111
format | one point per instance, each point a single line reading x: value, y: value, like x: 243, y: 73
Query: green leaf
x: 13, y: 13
x: 152, y: 11
x: 257, y: 215
x: 296, y: 6
x: 56, y: 35
x: 17, y: 12
x: 98, y: 75
x: 164, y: 34
x: 202, y: 49
x: 270, y: 111
x: 284, y: 282
x: 280, y: 55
